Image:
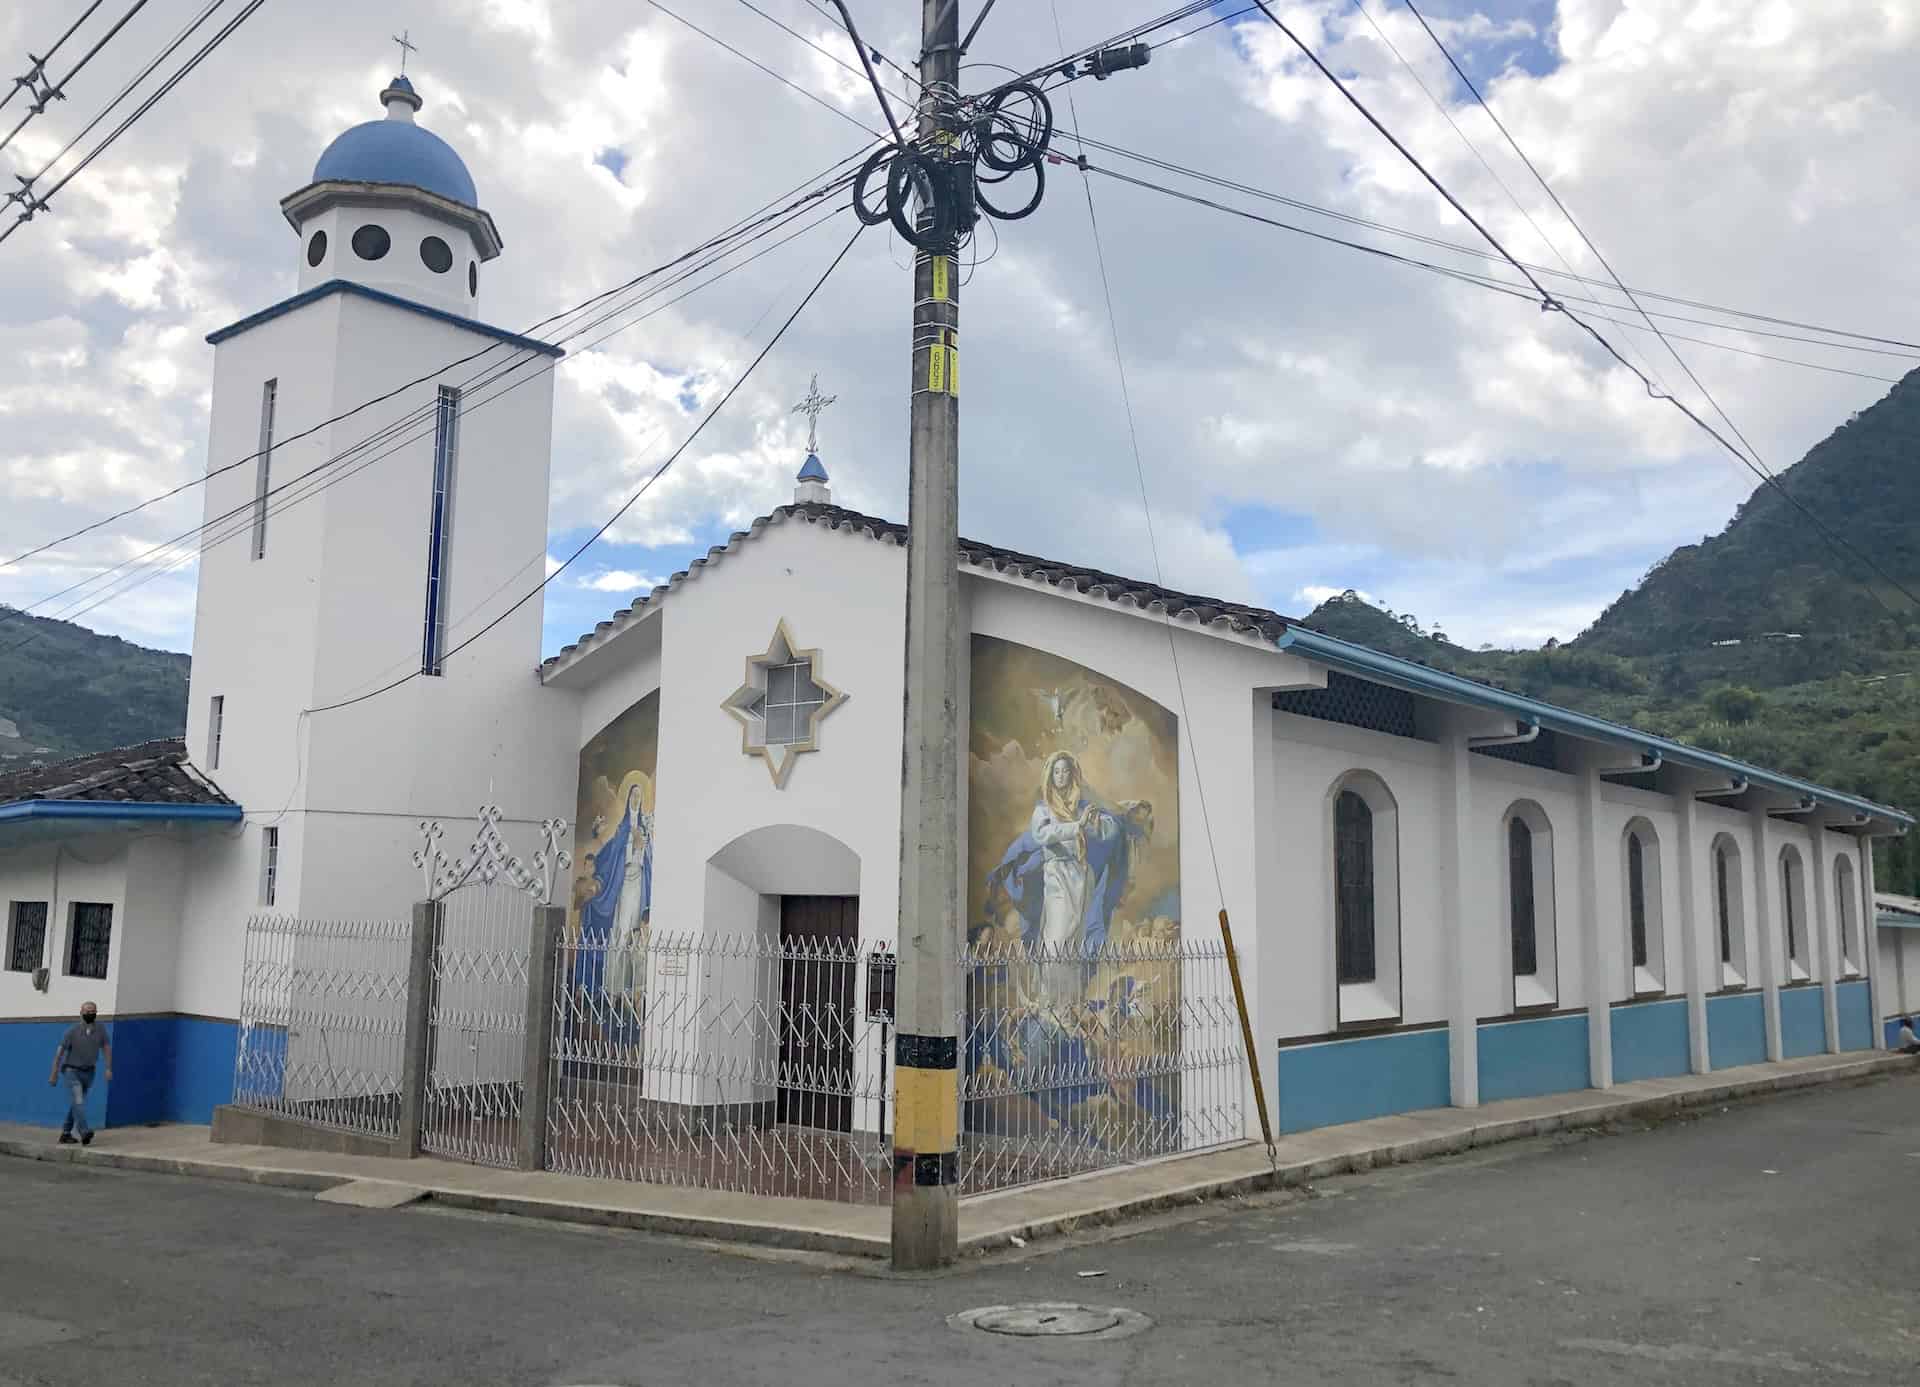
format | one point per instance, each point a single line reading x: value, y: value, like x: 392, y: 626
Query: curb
x: 525, y: 1206
x: 1095, y: 1214
x: 1495, y: 1133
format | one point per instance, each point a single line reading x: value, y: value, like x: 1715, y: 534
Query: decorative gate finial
x: 489, y: 857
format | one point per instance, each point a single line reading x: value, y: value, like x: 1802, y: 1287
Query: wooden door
x: 821, y: 935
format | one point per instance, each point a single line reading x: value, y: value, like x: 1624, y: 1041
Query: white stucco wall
x: 90, y: 868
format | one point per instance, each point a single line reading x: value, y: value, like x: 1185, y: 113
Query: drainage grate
x: 1050, y: 1319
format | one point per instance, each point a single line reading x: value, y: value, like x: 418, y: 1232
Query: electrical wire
x: 38, y: 72
x: 1909, y: 350
x: 238, y: 521
x: 824, y: 185
x: 220, y: 36
x: 831, y: 57
x: 1146, y: 504
x: 58, y: 91
x: 24, y: 192
x: 629, y: 503
x: 814, y: 97
x: 1548, y: 303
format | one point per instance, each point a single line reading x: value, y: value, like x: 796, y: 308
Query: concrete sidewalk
x: 987, y: 1222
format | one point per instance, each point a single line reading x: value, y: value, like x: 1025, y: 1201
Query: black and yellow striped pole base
x: 926, y: 1161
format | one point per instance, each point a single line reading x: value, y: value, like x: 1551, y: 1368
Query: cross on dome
x: 406, y: 47
x: 812, y: 481
x: 813, y: 406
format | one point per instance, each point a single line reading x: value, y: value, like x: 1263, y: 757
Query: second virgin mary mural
x: 612, y: 904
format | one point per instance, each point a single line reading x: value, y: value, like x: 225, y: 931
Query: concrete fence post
x: 537, y: 1059
x: 418, y: 1040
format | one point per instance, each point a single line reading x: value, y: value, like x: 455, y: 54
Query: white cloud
x: 1463, y: 455
x: 620, y: 580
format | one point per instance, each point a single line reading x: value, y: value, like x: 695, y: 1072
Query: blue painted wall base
x: 1854, y: 1001
x: 1344, y: 1080
x: 165, y: 1069
x: 1524, y: 1059
x: 1736, y: 1030
x: 1650, y: 1040
x: 1803, y: 1022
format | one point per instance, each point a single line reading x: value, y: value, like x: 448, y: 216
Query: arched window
x: 1646, y: 915
x: 1846, y: 915
x: 1793, y: 915
x: 1530, y: 914
x: 1364, y: 824
x: 1353, y: 888
x: 1522, y: 926
x: 1729, y: 908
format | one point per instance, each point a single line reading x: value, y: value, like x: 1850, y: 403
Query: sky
x: 1309, y: 419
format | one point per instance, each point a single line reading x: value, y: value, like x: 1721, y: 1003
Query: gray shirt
x: 80, y: 1046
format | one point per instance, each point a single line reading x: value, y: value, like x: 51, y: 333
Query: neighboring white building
x: 1443, y: 892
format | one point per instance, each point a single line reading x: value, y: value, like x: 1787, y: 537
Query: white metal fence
x: 323, y: 1006
x: 1074, y: 1061
x: 477, y: 1019
x: 726, y: 1062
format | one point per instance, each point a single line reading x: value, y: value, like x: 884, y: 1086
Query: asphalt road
x: 1776, y: 1242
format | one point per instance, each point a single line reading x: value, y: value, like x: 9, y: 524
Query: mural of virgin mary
x: 618, y: 916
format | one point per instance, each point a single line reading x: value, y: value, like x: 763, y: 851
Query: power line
x: 628, y: 504
x: 238, y: 520
x: 1140, y: 473
x: 39, y: 203
x: 831, y: 57
x: 832, y: 181
x: 1911, y: 349
x: 34, y: 78
x: 814, y: 97
x: 1548, y: 302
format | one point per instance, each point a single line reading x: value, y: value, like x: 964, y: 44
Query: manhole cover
x: 1048, y: 1319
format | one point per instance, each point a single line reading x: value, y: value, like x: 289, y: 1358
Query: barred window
x: 788, y: 706
x: 26, y: 936
x: 92, y: 939
x: 1353, y: 888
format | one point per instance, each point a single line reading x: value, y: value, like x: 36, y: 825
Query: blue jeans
x: 78, y: 1082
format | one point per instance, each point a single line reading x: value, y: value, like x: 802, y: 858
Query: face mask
x: 87, y: 1017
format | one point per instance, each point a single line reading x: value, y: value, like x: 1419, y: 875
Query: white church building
x: 1441, y: 892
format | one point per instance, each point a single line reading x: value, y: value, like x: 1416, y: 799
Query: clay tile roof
x: 149, y: 773
x: 1131, y: 592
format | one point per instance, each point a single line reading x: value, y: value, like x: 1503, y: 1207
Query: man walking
x: 80, y: 1050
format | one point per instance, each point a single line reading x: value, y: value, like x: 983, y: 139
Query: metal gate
x: 477, y: 1001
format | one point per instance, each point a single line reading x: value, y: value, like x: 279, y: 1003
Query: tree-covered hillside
x: 65, y: 690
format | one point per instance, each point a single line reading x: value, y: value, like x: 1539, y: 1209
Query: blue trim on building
x: 1803, y: 1022
x: 1336, y: 1081
x: 1854, y: 1002
x: 1650, y: 1040
x: 1736, y: 1030
x: 1435, y: 683
x: 344, y: 286
x: 1525, y: 1059
x: 166, y: 1068
x: 117, y: 809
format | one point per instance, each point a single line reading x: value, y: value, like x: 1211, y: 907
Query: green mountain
x: 1758, y: 642
x: 65, y: 690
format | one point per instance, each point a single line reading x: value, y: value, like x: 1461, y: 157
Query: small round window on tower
x: 317, y: 248
x: 436, y: 255
x: 473, y: 280
x: 371, y: 242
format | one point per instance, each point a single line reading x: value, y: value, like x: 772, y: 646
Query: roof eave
x: 1420, y: 679
x: 98, y: 809
x: 316, y: 198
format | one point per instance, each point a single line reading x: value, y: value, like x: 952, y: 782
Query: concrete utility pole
x: 926, y: 1207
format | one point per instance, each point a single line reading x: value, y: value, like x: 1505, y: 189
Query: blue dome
x: 811, y: 470
x: 397, y: 151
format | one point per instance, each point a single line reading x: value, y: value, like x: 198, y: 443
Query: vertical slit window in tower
x: 1637, y: 897
x: 263, y: 467
x: 216, y: 724
x: 446, y: 444
x: 1526, y: 957
x: 269, y: 865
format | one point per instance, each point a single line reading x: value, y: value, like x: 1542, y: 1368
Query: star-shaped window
x: 781, y: 704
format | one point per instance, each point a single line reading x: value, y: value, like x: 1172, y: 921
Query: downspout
x: 1738, y: 787
x: 1650, y: 761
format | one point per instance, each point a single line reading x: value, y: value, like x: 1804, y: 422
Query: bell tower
x: 377, y: 492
